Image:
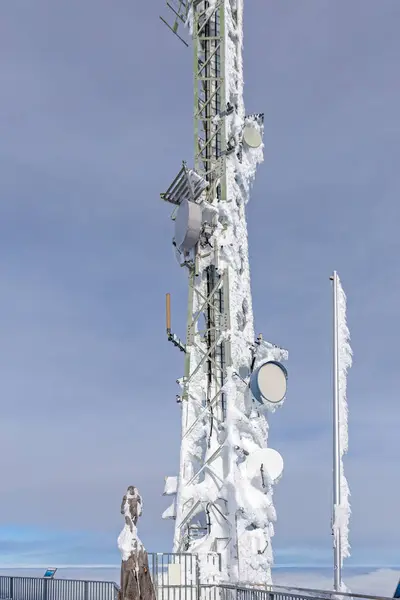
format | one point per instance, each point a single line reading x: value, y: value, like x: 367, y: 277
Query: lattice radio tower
x: 222, y: 497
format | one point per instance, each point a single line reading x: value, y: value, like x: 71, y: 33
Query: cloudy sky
x: 95, y: 118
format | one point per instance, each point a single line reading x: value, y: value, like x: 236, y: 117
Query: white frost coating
x: 189, y: 21
x: 170, y: 512
x: 242, y: 510
x: 171, y: 485
x: 128, y: 539
x: 210, y: 569
x: 342, y: 512
x: 247, y: 426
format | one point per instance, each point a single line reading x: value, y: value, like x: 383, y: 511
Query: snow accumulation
x: 211, y: 7
x: 128, y: 539
x: 342, y: 512
x: 242, y: 509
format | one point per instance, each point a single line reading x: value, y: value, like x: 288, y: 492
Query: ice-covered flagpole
x: 342, y: 361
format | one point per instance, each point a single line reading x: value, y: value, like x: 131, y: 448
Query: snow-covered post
x: 136, y: 582
x: 342, y: 361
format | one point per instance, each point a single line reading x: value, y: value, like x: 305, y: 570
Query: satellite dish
x: 270, y: 460
x: 188, y: 222
x: 268, y: 383
x: 252, y: 136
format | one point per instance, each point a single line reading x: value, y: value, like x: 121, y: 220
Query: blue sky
x: 95, y: 119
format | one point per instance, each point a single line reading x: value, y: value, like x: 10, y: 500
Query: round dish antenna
x: 268, y: 383
x: 188, y: 223
x: 252, y: 136
x: 267, y: 461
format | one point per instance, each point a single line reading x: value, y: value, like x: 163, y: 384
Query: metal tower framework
x: 208, y: 290
x: 207, y: 519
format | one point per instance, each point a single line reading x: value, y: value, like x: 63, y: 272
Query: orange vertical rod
x: 168, y: 312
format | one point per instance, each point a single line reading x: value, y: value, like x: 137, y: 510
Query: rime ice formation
x: 136, y: 582
x: 342, y: 513
x: 234, y: 512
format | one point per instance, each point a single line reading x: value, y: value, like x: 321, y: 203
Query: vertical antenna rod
x: 168, y: 313
x: 337, y: 557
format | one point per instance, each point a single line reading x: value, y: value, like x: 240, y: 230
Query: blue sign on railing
x: 49, y: 574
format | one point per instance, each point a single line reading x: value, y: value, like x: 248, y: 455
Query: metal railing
x: 225, y: 591
x: 298, y: 592
x: 166, y: 587
x: 35, y: 588
x: 175, y: 577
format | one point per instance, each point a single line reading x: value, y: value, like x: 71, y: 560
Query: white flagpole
x: 337, y: 554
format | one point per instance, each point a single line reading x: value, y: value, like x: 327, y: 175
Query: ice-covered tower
x: 222, y: 497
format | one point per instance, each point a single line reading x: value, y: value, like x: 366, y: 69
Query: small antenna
x: 168, y: 312
x: 171, y: 336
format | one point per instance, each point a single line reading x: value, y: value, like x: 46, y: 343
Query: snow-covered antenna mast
x: 223, y: 494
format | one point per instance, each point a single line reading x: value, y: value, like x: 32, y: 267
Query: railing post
x: 11, y: 588
x: 45, y: 582
x: 196, y: 558
x: 155, y: 574
x: 86, y: 591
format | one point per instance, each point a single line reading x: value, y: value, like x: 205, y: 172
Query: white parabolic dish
x: 252, y: 136
x: 271, y: 461
x: 268, y: 382
x: 188, y: 223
